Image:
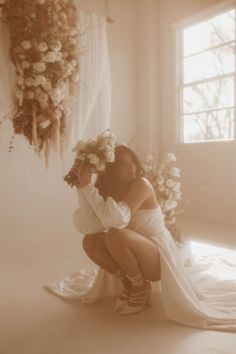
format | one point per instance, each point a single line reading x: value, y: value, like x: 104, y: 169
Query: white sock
x: 137, y: 280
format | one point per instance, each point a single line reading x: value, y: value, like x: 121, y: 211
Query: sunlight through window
x: 208, y: 80
x: 220, y: 262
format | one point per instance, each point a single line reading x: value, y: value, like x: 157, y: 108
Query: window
x: 207, y: 79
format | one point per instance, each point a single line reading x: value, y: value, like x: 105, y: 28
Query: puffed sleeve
x: 111, y: 213
x: 84, y: 218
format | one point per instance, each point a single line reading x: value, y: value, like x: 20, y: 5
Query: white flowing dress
x: 191, y: 296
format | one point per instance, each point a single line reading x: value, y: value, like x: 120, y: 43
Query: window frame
x: 179, y: 28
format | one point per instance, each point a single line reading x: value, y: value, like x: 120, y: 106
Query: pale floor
x: 32, y: 321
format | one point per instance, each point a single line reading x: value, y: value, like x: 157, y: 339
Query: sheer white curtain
x: 91, y: 104
x: 92, y: 107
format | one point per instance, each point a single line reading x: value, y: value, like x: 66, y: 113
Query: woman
x: 121, y: 251
x: 126, y: 236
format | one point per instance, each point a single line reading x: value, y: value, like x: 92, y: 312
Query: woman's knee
x: 93, y: 242
x: 115, y: 238
x: 87, y: 242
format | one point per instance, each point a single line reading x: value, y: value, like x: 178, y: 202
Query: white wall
x: 36, y: 204
x: 209, y: 170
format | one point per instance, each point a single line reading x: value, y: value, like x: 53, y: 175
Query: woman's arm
x: 117, y: 214
x: 111, y: 213
x: 84, y: 218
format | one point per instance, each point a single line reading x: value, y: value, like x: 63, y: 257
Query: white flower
x: 169, y: 183
x: 39, y: 80
x: 68, y: 69
x: 26, y: 45
x: 56, y: 95
x: 170, y: 204
x: 107, y: 140
x: 25, y: 64
x: 63, y: 16
x: 161, y: 188
x: 73, y: 62
x: 42, y: 97
x: 109, y: 155
x: 50, y: 57
x: 39, y: 66
x: 171, y: 157
x: 58, y: 114
x: 176, y: 186
x: 160, y: 180
x: 93, y: 158
x: 47, y: 85
x: 42, y: 47
x: 55, y: 45
x: 113, y: 140
x: 58, y: 56
x: 29, y: 81
x: 45, y: 123
x: 175, y: 172
x: 101, y: 167
x: 178, y: 196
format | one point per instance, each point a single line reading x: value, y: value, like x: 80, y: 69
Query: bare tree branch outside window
x: 208, y: 89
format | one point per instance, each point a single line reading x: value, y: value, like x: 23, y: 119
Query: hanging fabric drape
x: 92, y: 107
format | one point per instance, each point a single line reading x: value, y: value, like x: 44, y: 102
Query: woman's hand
x: 84, y: 175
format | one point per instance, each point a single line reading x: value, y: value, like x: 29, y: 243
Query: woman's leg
x: 134, y: 253
x: 95, y: 248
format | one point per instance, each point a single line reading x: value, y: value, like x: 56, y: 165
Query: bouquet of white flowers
x: 96, y: 153
x: 164, y: 177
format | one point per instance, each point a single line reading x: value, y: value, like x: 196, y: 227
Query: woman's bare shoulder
x: 143, y: 183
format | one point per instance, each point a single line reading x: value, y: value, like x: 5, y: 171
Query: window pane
x: 211, y: 95
x: 210, y: 64
x: 217, y: 30
x: 210, y: 126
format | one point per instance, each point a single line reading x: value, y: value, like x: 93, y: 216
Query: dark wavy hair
x: 108, y: 184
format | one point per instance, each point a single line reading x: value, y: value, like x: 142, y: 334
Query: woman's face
x: 126, y: 167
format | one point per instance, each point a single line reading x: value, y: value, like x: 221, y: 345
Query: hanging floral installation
x: 45, y: 50
x: 164, y: 177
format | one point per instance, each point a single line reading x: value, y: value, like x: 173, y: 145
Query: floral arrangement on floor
x: 95, y: 152
x: 164, y: 177
x: 44, y: 49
